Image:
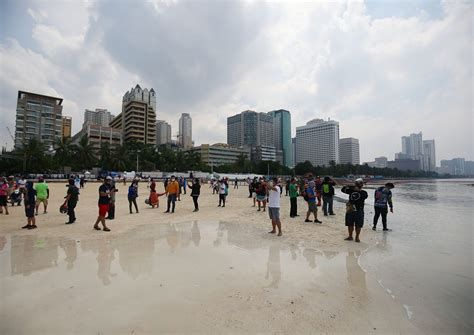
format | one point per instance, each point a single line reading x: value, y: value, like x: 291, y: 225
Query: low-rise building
x: 263, y: 153
x: 220, y: 154
x: 405, y: 164
x: 98, y: 135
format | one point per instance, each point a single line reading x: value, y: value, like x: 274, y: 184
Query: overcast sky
x: 382, y: 69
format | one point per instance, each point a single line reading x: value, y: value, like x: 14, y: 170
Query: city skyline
x: 85, y: 60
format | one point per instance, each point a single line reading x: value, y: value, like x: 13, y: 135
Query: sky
x: 383, y: 69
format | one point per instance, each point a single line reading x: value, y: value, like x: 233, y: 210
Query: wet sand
x: 217, y: 270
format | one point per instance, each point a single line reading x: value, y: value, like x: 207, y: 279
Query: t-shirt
x: 261, y: 191
x: 30, y: 197
x: 310, y: 194
x: 274, y: 198
x: 293, y: 191
x: 328, y: 189
x: 356, y: 198
x: 41, y: 190
x: 172, y: 187
x: 3, y: 189
x: 383, y: 197
x: 133, y: 191
x: 222, y: 188
x: 73, y: 191
x: 104, y: 200
x: 318, y: 185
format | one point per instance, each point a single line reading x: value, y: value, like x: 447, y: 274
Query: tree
x: 105, y: 156
x: 63, y: 153
x: 120, y: 159
x: 84, y: 154
x: 33, y: 154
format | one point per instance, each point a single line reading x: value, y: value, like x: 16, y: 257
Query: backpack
x: 326, y: 188
x: 379, y: 193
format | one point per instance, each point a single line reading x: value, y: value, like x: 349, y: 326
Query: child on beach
x: 154, y: 200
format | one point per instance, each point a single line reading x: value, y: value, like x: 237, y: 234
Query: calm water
x: 426, y: 262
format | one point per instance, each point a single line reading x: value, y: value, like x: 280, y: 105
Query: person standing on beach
x: 104, y: 203
x: 249, y: 183
x: 262, y: 194
x: 30, y: 202
x: 222, y: 192
x: 355, y: 208
x: 383, y: 200
x: 318, y: 185
x: 287, y: 186
x: 42, y: 194
x: 113, y: 191
x: 195, y: 192
x: 72, y: 197
x: 172, y: 192
x: 328, y: 195
x: 274, y: 193
x: 184, y: 184
x: 254, y: 186
x: 312, y: 207
x: 293, y: 191
x: 132, y: 196
x: 3, y: 196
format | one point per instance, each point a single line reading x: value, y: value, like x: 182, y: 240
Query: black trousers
x: 195, y: 200
x: 111, y: 211
x: 222, y: 199
x: 134, y: 202
x: 171, y: 202
x: 71, y: 205
x: 293, y: 207
x: 378, y: 212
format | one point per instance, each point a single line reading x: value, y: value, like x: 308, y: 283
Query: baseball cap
x: 108, y: 178
x: 359, y: 180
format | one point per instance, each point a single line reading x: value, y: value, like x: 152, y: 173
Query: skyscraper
x: 38, y: 116
x: 250, y: 128
x: 349, y: 151
x: 412, y: 145
x: 282, y: 134
x: 163, y: 132
x: 185, y: 132
x: 99, y: 117
x: 67, y: 127
x: 318, y: 142
x: 138, y: 117
x: 429, y: 153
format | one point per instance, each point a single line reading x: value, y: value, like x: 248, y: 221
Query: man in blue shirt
x: 312, y: 208
x: 383, y: 200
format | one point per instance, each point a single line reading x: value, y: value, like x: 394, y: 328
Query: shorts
x: 254, y: 195
x: 103, y: 209
x: 274, y: 213
x: 38, y: 201
x: 261, y: 197
x: 355, y: 218
x: 3, y: 200
x: 30, y: 211
x: 312, y: 207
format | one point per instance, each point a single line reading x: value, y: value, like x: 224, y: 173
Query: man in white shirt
x: 274, y: 206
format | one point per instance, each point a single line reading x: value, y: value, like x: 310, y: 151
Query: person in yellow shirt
x: 172, y: 191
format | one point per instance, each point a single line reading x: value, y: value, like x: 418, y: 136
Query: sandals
x: 97, y: 228
x: 348, y: 239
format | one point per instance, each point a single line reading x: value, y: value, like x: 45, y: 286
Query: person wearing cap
x: 172, y: 190
x: 383, y: 200
x: 71, y: 199
x: 42, y: 194
x: 355, y: 208
x: 312, y: 207
x: 104, y: 202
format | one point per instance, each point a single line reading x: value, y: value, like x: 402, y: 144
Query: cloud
x: 382, y: 74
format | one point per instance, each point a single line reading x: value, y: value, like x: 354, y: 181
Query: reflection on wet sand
x: 70, y: 249
x: 356, y: 276
x: 3, y: 242
x: 31, y: 253
x: 274, y: 266
x: 310, y: 256
x: 104, y: 261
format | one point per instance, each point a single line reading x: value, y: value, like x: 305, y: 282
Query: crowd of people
x: 265, y: 194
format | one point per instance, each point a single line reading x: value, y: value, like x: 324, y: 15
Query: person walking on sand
x: 274, y: 205
x: 327, y: 190
x: 383, y: 200
x: 293, y: 191
x: 195, y: 192
x: 42, y: 194
x: 249, y: 184
x: 3, y: 196
x: 71, y: 199
x: 312, y: 207
x: 104, y: 203
x: 262, y: 195
x: 236, y: 183
x: 172, y: 192
x: 133, y: 195
x: 355, y: 208
x: 222, y: 193
x: 30, y: 202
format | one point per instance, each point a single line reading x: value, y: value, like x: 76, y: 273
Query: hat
x: 359, y: 180
x: 108, y: 178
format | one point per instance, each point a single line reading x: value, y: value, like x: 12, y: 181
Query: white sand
x: 217, y: 270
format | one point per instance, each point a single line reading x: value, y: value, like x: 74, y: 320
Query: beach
x: 216, y: 270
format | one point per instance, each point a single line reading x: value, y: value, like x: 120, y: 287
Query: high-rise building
x: 412, y: 145
x: 185, y: 132
x: 163, y: 132
x: 318, y: 142
x: 67, y: 127
x: 38, y: 116
x: 137, y: 120
x: 249, y: 129
x: 100, y: 117
x: 429, y: 155
x: 282, y: 135
x: 349, y: 152
x: 455, y: 166
x: 293, y: 147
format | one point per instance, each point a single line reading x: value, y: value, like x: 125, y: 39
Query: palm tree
x: 63, y: 152
x: 120, y: 158
x: 33, y: 155
x: 105, y: 156
x: 84, y: 154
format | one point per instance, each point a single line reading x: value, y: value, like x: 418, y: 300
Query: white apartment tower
x: 99, y: 117
x: 185, y: 132
x: 349, y: 151
x: 163, y: 132
x: 318, y: 142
